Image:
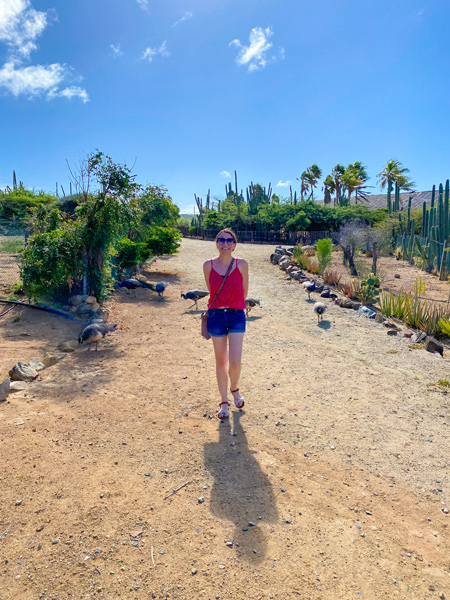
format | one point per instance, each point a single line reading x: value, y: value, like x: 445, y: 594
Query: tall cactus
x: 14, y: 181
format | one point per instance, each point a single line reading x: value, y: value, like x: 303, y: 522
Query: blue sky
x: 186, y: 91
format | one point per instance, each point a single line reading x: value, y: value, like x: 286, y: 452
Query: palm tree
x: 314, y: 174
x: 336, y: 174
x: 330, y: 188
x: 359, y: 170
x: 304, y: 184
x: 394, y: 173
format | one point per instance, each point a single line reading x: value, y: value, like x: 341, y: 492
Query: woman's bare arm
x: 207, y: 271
x: 243, y: 268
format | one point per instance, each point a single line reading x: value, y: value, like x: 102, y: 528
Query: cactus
x: 369, y: 291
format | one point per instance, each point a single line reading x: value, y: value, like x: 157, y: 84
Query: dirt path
x: 340, y: 459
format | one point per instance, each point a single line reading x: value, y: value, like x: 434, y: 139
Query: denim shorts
x: 222, y: 321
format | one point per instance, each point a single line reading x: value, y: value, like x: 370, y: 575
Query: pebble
x: 194, y: 571
x: 101, y: 495
x: 55, y: 541
x: 287, y: 521
x: 180, y: 431
x: 245, y: 529
x: 251, y: 523
x: 201, y: 500
x: 18, y: 502
x: 147, y: 474
x: 283, y: 489
x: 333, y: 447
x: 445, y: 511
x: 229, y: 544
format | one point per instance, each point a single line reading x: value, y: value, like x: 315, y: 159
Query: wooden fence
x: 286, y: 238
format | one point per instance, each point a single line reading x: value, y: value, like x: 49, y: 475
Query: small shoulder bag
x: 204, y: 317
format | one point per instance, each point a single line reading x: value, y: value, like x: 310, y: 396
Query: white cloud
x: 149, y: 53
x: 20, y: 26
x: 116, y: 51
x: 38, y: 80
x: 225, y: 174
x: 143, y: 4
x: 187, y: 15
x: 284, y: 183
x: 70, y: 92
x: 255, y: 54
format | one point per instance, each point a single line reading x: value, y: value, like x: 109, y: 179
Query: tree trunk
x: 374, y: 258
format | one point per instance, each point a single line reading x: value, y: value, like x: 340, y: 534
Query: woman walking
x: 226, y: 317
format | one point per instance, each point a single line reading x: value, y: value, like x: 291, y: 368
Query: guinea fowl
x: 92, y: 334
x: 251, y: 303
x: 319, y: 309
x: 309, y: 286
x: 195, y: 295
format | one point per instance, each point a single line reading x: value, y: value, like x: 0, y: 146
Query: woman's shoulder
x: 208, y: 263
x: 241, y: 263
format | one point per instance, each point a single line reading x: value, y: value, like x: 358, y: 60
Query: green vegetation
x: 324, y: 253
x: 11, y: 246
x: 73, y: 252
x: 18, y: 204
x: 369, y: 292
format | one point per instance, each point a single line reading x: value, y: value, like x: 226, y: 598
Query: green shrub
x: 130, y: 254
x: 51, y: 263
x: 163, y: 240
x: 324, y: 253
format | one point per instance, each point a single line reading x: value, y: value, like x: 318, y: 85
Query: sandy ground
x: 340, y: 459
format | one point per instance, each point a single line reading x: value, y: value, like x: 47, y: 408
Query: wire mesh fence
x: 12, y: 241
x: 261, y: 236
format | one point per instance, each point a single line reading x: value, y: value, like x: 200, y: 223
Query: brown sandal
x: 241, y: 406
x: 223, y: 416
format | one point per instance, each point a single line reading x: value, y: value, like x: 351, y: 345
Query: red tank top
x: 232, y: 293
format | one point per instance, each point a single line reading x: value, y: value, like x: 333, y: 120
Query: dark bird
x: 251, y: 303
x: 132, y: 284
x: 195, y: 295
x: 94, y: 333
x: 160, y: 288
x: 319, y: 309
x: 309, y: 286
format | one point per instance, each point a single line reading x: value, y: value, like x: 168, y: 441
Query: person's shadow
x: 241, y: 492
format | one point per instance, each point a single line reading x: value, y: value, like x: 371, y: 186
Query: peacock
x: 319, y: 309
x: 93, y: 333
x: 309, y: 286
x: 195, y: 295
x: 132, y: 284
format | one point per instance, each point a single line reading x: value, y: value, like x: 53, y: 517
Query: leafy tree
x: 157, y: 207
x: 314, y: 173
x: 324, y: 253
x: 299, y: 222
x: 163, y: 240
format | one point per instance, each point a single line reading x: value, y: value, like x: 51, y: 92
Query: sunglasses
x: 221, y: 240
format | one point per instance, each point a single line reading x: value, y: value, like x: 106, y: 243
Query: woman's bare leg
x: 220, y: 351
x: 235, y: 343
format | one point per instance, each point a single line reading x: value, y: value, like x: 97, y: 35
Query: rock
x: 274, y: 258
x: 4, y: 389
x: 390, y: 325
x: 201, y: 500
x: 83, y: 308
x: 408, y: 335
x: 194, y: 572
x: 433, y: 345
x: 22, y: 372
x: 379, y: 318
x: 59, y: 355
x: 95, y: 306
x: 37, y: 365
x: 344, y: 302
x: 75, y: 300
x: 17, y: 386
x: 326, y: 293
x: 392, y: 331
x: 90, y: 300
x: 420, y: 337
x: 397, y: 276
x: 280, y: 250
x: 73, y: 310
x: 50, y: 359
x: 69, y: 346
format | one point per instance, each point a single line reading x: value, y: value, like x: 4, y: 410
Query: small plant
x: 351, y: 290
x: 369, y: 292
x: 311, y: 265
x: 16, y: 320
x: 416, y: 347
x: 324, y: 253
x: 331, y: 277
x: 444, y: 383
x: 392, y: 352
x: 444, y: 324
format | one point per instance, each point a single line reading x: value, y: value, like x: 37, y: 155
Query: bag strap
x: 223, y: 282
